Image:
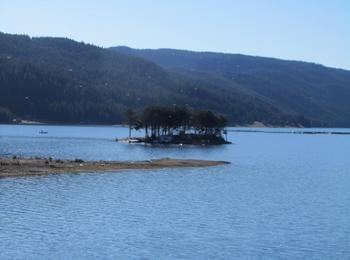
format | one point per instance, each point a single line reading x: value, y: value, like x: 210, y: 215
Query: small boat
x: 43, y: 132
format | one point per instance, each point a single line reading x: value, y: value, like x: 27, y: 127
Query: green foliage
x: 318, y: 93
x: 207, y: 122
x: 60, y: 80
x: 160, y: 120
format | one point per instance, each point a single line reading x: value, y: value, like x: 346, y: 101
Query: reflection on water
x: 283, y: 196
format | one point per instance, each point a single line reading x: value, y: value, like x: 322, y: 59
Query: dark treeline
x: 5, y: 115
x: 58, y: 80
x: 315, y: 91
x: 161, y: 121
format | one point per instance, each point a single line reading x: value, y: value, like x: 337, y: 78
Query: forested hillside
x: 313, y: 90
x: 62, y: 81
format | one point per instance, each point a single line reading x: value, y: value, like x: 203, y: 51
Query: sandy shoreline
x: 13, y: 167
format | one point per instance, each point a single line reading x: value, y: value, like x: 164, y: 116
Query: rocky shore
x: 12, y: 167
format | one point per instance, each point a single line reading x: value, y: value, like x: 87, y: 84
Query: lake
x: 285, y: 196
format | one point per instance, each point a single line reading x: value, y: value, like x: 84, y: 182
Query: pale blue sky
x: 309, y: 30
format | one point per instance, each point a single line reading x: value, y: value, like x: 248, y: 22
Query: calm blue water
x: 283, y: 197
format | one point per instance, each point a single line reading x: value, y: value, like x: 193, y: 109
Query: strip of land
x: 301, y: 132
x: 13, y: 167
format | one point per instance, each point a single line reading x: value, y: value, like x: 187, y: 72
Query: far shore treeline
x: 182, y: 122
x: 60, y: 81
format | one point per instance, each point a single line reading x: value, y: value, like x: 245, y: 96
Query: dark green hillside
x: 304, y: 88
x: 63, y: 81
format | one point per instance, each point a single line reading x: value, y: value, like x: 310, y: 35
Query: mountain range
x: 58, y: 80
x: 317, y: 92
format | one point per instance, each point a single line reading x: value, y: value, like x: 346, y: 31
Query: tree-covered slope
x: 310, y: 89
x: 60, y: 80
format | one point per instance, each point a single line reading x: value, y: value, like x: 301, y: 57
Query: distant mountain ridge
x: 59, y: 80
x: 63, y: 81
x: 313, y: 90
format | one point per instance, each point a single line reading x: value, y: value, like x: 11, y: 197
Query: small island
x: 177, y: 125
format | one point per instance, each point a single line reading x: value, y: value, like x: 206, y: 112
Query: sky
x: 308, y: 30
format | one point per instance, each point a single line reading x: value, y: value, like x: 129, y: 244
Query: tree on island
x: 178, y: 124
x: 207, y: 123
x: 131, y: 120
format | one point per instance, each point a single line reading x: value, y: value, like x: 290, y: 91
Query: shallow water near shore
x: 283, y: 196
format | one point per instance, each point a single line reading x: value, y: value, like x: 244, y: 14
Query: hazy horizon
x: 313, y: 31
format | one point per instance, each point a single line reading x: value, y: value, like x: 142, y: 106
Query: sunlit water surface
x: 284, y: 196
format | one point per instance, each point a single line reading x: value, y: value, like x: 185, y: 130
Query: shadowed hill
x: 64, y: 81
x: 309, y: 89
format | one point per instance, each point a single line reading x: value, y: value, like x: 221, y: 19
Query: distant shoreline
x: 296, y: 132
x: 16, y: 167
x: 255, y: 126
